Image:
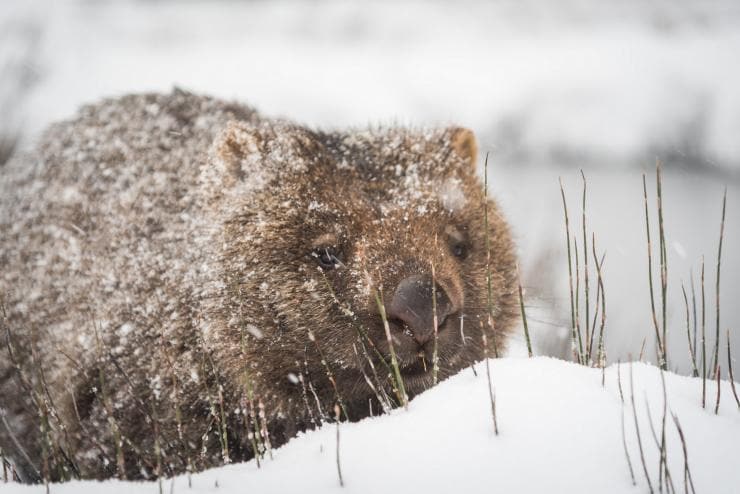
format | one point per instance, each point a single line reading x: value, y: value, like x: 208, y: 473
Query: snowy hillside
x: 559, y: 431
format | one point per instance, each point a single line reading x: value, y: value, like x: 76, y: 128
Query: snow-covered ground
x: 559, y: 431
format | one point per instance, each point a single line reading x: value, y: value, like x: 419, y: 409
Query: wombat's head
x: 345, y: 225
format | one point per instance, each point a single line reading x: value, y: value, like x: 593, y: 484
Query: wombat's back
x: 102, y: 223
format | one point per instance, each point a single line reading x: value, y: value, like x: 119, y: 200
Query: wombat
x: 186, y: 283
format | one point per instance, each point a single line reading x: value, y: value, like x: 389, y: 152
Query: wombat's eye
x: 327, y: 257
x: 459, y: 249
x: 458, y: 241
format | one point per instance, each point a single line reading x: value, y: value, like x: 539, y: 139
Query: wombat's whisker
x: 362, y: 337
x: 327, y: 369
x: 360, y: 365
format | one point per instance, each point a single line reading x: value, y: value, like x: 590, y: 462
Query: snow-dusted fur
x: 163, y: 292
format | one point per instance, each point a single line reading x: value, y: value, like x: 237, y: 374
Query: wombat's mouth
x: 422, y: 361
x: 418, y: 368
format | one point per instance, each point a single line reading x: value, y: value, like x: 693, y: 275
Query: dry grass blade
x: 524, y: 314
x: 729, y: 370
x: 585, y: 268
x: 694, y: 319
x: 601, y: 354
x: 694, y: 370
x: 624, y: 437
x: 650, y: 272
x: 663, y: 439
x: 719, y: 388
x: 491, y: 393
x: 687, y: 480
x: 581, y: 354
x: 703, y: 342
x: 719, y: 264
x: 264, y: 434
x: 398, y: 381
x: 488, y: 260
x: 363, y: 340
x: 576, y: 355
x: 327, y: 370
x: 108, y: 407
x: 337, y: 415
x: 663, y: 263
x: 637, y: 432
x: 435, y: 351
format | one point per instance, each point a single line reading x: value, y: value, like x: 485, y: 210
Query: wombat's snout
x: 411, y: 307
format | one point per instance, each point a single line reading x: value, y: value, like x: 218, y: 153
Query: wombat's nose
x: 412, y: 306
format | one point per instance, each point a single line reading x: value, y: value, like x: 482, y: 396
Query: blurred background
x: 550, y: 88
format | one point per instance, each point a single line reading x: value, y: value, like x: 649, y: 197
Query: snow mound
x: 559, y: 431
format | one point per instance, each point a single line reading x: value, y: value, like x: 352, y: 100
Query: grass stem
x: 524, y: 314
x: 637, y: 432
x: 694, y: 370
x: 658, y: 340
x: 576, y: 355
x: 703, y: 342
x: 400, y: 390
x: 585, y: 269
x: 488, y: 260
x: 435, y: 350
x: 719, y: 263
x: 337, y: 415
x: 719, y: 388
x: 729, y: 370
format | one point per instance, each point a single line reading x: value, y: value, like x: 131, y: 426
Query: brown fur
x: 162, y: 288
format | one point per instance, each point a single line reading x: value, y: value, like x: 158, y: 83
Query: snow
x: 559, y: 431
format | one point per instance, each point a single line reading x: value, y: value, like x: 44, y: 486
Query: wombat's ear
x: 464, y: 144
x: 244, y: 149
x: 235, y: 145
